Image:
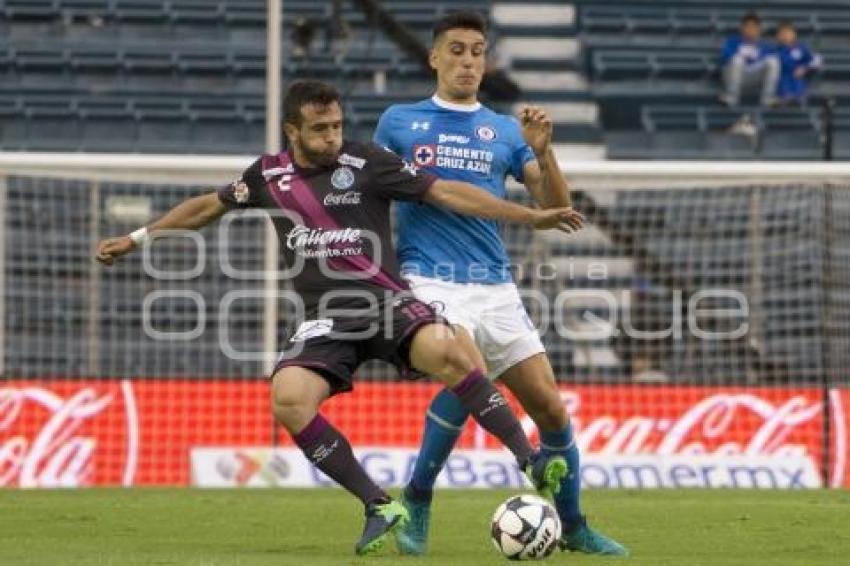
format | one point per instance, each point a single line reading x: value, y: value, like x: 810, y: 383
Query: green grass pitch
x: 253, y: 527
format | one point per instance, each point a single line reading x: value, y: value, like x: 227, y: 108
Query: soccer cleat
x: 546, y: 473
x: 412, y: 537
x: 382, y: 519
x: 581, y: 538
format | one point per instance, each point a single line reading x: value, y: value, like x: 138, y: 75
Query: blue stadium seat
x: 681, y: 65
x: 51, y: 124
x: 39, y: 59
x: 602, y: 19
x: 841, y: 145
x: 196, y: 12
x: 96, y: 59
x: 149, y: 60
x: 800, y: 145
x: 204, y: 62
x: 248, y: 63
x: 85, y: 9
x: 141, y: 12
x: 106, y: 124
x: 687, y: 21
x: 162, y: 125
x: 13, y: 123
x: 621, y: 65
x: 31, y: 10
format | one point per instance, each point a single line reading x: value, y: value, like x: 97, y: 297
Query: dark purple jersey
x: 333, y: 222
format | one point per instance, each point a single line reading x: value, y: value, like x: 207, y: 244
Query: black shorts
x: 335, y: 348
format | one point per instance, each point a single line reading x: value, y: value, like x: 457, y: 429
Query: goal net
x: 698, y: 326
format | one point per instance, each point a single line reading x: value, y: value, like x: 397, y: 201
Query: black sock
x: 330, y: 451
x: 490, y: 409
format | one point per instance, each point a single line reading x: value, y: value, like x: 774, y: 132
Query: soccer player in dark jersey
x: 330, y: 203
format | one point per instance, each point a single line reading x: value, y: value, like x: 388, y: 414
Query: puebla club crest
x: 342, y: 179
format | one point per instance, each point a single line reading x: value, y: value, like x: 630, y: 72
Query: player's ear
x: 291, y: 131
x: 432, y: 57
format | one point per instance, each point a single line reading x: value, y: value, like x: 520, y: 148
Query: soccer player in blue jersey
x: 460, y: 263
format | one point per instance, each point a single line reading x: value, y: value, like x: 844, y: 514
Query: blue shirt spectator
x: 751, y: 51
x: 797, y: 62
x: 749, y: 64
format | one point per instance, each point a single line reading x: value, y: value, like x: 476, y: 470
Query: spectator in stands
x: 798, y: 63
x: 749, y: 63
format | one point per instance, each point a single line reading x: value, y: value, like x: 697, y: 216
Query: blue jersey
x: 464, y: 143
x: 793, y: 57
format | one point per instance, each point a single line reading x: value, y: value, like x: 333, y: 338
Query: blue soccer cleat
x: 581, y: 538
x: 412, y: 537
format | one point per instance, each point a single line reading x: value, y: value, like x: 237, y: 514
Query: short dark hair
x: 751, y: 17
x: 784, y: 24
x: 460, y: 19
x: 302, y: 93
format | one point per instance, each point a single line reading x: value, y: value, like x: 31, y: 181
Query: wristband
x: 140, y: 236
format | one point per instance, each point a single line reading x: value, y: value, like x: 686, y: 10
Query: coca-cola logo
x: 346, y: 198
x: 70, y: 436
x: 723, y: 424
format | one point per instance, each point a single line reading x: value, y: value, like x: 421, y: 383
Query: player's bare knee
x: 289, y: 408
x: 456, y: 363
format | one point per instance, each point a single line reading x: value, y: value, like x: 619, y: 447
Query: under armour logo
x: 420, y: 126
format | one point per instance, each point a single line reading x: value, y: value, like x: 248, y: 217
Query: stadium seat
x: 105, y: 123
x: 141, y: 12
x: 162, y: 125
x: 149, y: 60
x: 39, y: 60
x: 204, y: 62
x: 30, y: 10
x: 791, y: 145
x: 621, y: 65
x: 196, y: 12
x: 91, y: 59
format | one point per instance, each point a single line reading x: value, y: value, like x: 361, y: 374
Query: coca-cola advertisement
x: 76, y: 433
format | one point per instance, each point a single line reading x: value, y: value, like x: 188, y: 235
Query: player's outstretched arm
x: 472, y: 201
x: 191, y: 214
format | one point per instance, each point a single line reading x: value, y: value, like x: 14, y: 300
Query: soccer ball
x: 526, y: 527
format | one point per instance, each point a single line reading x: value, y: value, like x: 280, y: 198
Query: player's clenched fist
x: 536, y: 128
x: 111, y: 248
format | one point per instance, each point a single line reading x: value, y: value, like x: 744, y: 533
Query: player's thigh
x: 532, y: 381
x: 447, y: 299
x: 435, y: 350
x: 297, y: 392
x: 506, y: 335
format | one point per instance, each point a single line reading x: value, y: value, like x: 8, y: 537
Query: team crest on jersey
x: 485, y: 133
x: 342, y: 179
x: 241, y: 192
x: 424, y: 155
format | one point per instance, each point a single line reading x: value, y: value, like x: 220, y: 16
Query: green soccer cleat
x: 546, y: 473
x: 582, y: 538
x: 382, y: 519
x: 412, y: 537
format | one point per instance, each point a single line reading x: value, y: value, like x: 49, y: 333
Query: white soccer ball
x: 526, y: 527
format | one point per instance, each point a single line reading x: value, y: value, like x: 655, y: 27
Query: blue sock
x: 567, y: 500
x: 443, y: 424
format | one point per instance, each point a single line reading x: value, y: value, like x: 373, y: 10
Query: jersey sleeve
x: 383, y: 131
x: 245, y: 191
x: 395, y: 179
x: 521, y: 153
